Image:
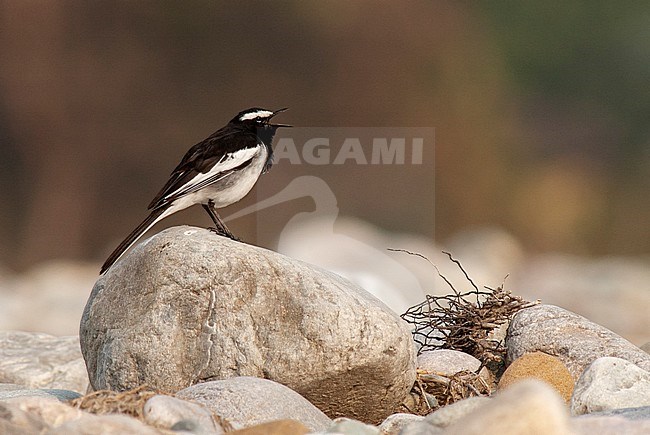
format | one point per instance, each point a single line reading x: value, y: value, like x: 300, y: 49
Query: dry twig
x: 131, y: 403
x: 463, y: 321
x: 111, y: 402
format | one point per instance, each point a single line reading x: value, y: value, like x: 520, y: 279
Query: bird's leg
x: 221, y: 227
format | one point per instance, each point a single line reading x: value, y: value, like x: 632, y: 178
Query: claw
x: 222, y: 233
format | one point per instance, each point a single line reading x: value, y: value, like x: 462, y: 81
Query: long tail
x: 154, y: 217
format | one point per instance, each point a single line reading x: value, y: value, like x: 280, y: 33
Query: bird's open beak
x: 280, y: 111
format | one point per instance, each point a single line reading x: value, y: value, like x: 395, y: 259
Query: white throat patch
x: 253, y: 115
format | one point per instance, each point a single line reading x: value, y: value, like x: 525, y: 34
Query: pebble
x: 37, y: 360
x: 103, y: 424
x: 246, y: 401
x: 450, y: 414
x: 396, y: 422
x: 170, y: 412
x: 62, y: 395
x: 48, y: 409
x: 14, y: 420
x: 611, y: 383
x: 348, y: 426
x: 447, y: 361
x: 590, y: 424
x: 277, y: 427
x: 539, y: 365
x: 570, y: 337
x: 527, y: 407
x: 450, y: 362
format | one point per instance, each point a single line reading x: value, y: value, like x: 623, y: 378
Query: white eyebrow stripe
x: 253, y: 115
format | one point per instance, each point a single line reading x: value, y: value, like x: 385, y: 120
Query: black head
x: 258, y: 121
x: 257, y: 118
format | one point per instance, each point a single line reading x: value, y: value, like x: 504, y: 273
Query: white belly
x: 240, y: 183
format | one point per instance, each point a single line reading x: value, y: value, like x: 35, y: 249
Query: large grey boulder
x: 188, y: 306
x: 576, y: 341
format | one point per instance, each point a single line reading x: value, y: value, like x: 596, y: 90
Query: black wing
x: 204, y: 158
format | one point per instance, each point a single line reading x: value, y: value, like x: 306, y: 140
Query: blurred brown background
x: 541, y: 112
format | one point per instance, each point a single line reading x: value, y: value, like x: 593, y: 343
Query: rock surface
x: 278, y: 427
x: 202, y: 307
x: 570, y: 337
x: 349, y: 426
x: 32, y: 415
x: 246, y: 401
x: 447, y: 361
x: 611, y: 383
x: 14, y: 420
x: 38, y: 360
x: 450, y: 414
x: 637, y: 413
x: 528, y: 407
x: 169, y: 412
x: 394, y: 424
x: 103, y: 424
x: 539, y: 365
x: 596, y: 424
x: 645, y: 347
x: 421, y: 428
x: 62, y: 395
x: 48, y: 410
x: 436, y: 422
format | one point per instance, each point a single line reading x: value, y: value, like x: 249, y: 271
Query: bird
x: 216, y: 172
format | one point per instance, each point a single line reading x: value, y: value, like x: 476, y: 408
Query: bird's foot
x: 221, y: 232
x: 235, y: 238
